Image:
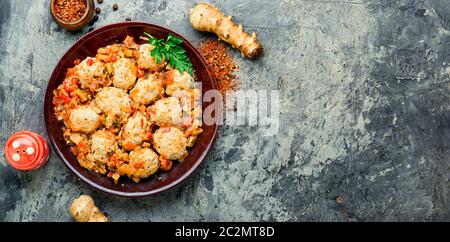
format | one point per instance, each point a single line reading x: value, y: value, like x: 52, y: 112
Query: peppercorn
x: 100, y: 1
x: 95, y: 18
x: 98, y: 10
x: 115, y: 7
x: 91, y: 29
x: 128, y: 19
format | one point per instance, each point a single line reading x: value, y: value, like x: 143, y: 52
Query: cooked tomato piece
x: 165, y: 164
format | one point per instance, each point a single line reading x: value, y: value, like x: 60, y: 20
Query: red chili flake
x: 70, y: 10
x: 220, y: 63
x: 90, y: 62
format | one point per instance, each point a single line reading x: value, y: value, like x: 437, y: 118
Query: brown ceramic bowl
x: 78, y: 24
x: 87, y: 46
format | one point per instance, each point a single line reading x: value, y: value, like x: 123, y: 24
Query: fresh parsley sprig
x: 173, y: 52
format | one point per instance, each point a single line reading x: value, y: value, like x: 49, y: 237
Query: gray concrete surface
x: 364, y: 117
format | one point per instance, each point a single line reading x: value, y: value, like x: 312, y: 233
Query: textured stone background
x: 365, y: 115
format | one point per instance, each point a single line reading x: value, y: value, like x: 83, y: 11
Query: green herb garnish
x: 173, y: 52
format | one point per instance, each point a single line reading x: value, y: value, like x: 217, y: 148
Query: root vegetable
x: 83, y: 209
x: 206, y: 17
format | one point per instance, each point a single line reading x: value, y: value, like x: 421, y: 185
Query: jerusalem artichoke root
x: 205, y: 17
x: 83, y: 209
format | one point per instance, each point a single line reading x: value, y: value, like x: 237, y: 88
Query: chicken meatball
x: 177, y: 81
x: 146, y: 90
x: 83, y: 119
x: 143, y: 163
x: 135, y: 131
x: 89, y: 70
x: 124, y: 73
x: 171, y: 143
x: 167, y: 112
x: 189, y: 99
x: 146, y: 60
x: 103, y: 145
x: 115, y: 103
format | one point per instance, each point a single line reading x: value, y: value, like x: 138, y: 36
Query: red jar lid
x: 26, y: 151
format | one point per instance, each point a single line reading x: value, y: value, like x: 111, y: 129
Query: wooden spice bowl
x: 78, y: 24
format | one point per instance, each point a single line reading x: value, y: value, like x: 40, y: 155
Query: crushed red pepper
x: 70, y: 10
x: 220, y: 63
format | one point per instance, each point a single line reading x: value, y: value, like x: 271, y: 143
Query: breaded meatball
x: 171, y: 143
x: 103, y: 145
x: 177, y: 81
x: 166, y: 112
x: 114, y: 102
x: 135, y: 131
x: 83, y: 119
x: 143, y: 163
x: 189, y: 99
x: 89, y: 70
x: 146, y: 60
x: 146, y: 90
x: 124, y: 73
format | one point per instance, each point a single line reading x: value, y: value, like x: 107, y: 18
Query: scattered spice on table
x: 95, y: 18
x: 128, y: 19
x: 220, y: 63
x: 70, y: 10
x: 100, y: 1
x: 115, y: 7
x: 98, y: 10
